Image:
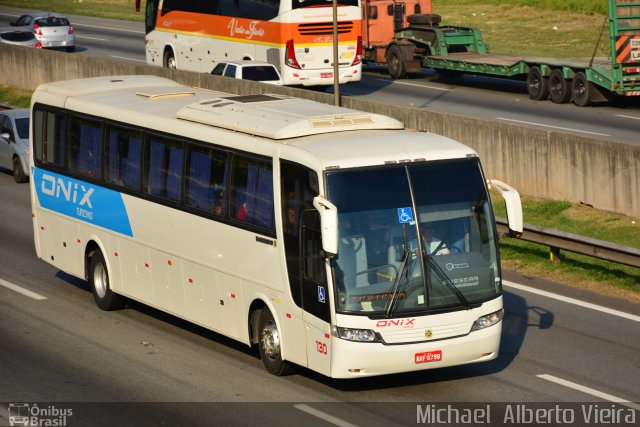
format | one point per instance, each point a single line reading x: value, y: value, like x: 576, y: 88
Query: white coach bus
x: 330, y: 238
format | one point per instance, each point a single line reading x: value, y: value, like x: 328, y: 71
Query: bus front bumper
x: 358, y: 359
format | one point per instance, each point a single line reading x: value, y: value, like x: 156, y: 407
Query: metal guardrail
x: 557, y: 240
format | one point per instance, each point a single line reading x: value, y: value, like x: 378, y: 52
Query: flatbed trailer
x: 455, y: 50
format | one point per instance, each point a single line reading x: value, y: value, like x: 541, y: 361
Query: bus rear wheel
x: 99, y: 279
x: 537, y: 85
x: 559, y: 88
x: 580, y: 90
x: 270, y: 345
x: 169, y: 59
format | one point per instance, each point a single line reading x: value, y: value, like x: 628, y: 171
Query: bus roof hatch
x: 281, y: 117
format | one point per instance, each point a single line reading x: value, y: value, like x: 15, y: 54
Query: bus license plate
x: 428, y: 356
x: 326, y: 75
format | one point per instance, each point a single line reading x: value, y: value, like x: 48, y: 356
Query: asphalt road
x: 142, y: 367
x: 481, y: 97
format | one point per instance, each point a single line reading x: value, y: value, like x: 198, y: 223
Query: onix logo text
x: 70, y: 192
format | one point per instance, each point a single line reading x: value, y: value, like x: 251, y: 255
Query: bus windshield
x: 413, y: 238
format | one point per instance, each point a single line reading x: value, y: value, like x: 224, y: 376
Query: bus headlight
x: 488, y: 320
x: 351, y: 334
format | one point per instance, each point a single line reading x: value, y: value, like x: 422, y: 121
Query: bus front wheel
x: 99, y: 279
x: 270, y: 345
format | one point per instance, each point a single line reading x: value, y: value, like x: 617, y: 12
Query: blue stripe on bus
x: 81, y: 200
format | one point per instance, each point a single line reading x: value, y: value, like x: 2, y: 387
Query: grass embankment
x: 517, y: 26
x: 114, y: 9
x: 576, y: 270
x: 547, y: 28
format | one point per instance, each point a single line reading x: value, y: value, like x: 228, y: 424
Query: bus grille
x: 324, y: 28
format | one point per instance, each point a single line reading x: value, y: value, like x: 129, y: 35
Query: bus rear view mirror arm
x: 514, y: 206
x: 328, y: 225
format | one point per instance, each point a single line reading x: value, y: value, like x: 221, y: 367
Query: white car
x: 259, y: 71
x: 14, y: 142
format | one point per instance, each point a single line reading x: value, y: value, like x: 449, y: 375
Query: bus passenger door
x: 315, y: 294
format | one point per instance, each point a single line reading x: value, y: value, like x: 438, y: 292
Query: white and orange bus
x: 294, y: 35
x: 329, y: 238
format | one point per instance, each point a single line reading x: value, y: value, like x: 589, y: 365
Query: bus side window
x: 206, y: 178
x: 252, y: 191
x: 49, y: 137
x: 164, y: 168
x: 85, y: 147
x: 124, y: 157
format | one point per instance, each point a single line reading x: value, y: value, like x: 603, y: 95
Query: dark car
x: 18, y: 37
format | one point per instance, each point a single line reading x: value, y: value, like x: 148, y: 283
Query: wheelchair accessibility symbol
x: 321, y: 295
x: 405, y: 215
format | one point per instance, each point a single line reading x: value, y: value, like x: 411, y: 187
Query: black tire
x: 580, y: 90
x: 99, y: 280
x: 537, y: 85
x: 395, y: 66
x: 559, y: 88
x: 269, y: 344
x: 18, y: 172
x: 169, y: 60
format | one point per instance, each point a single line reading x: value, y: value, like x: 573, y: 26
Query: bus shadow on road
x: 519, y: 317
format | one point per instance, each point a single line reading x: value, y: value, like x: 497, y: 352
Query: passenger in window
x: 290, y: 226
x: 241, y: 213
x: 217, y: 205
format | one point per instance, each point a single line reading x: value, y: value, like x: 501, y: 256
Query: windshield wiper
x: 446, y: 280
x: 401, y: 274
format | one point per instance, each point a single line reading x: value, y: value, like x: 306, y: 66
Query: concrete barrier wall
x: 537, y: 162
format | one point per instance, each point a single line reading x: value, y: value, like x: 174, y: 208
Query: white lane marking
x: 591, y: 391
x: 323, y: 416
x: 416, y: 85
x: 21, y: 290
x: 572, y: 301
x: 552, y: 127
x: 628, y: 117
x: 128, y: 59
x: 108, y: 28
x: 92, y: 38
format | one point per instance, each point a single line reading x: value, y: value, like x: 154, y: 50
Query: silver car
x: 14, y: 142
x: 50, y: 29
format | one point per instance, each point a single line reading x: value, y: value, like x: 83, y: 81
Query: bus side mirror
x: 328, y: 225
x: 514, y: 206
